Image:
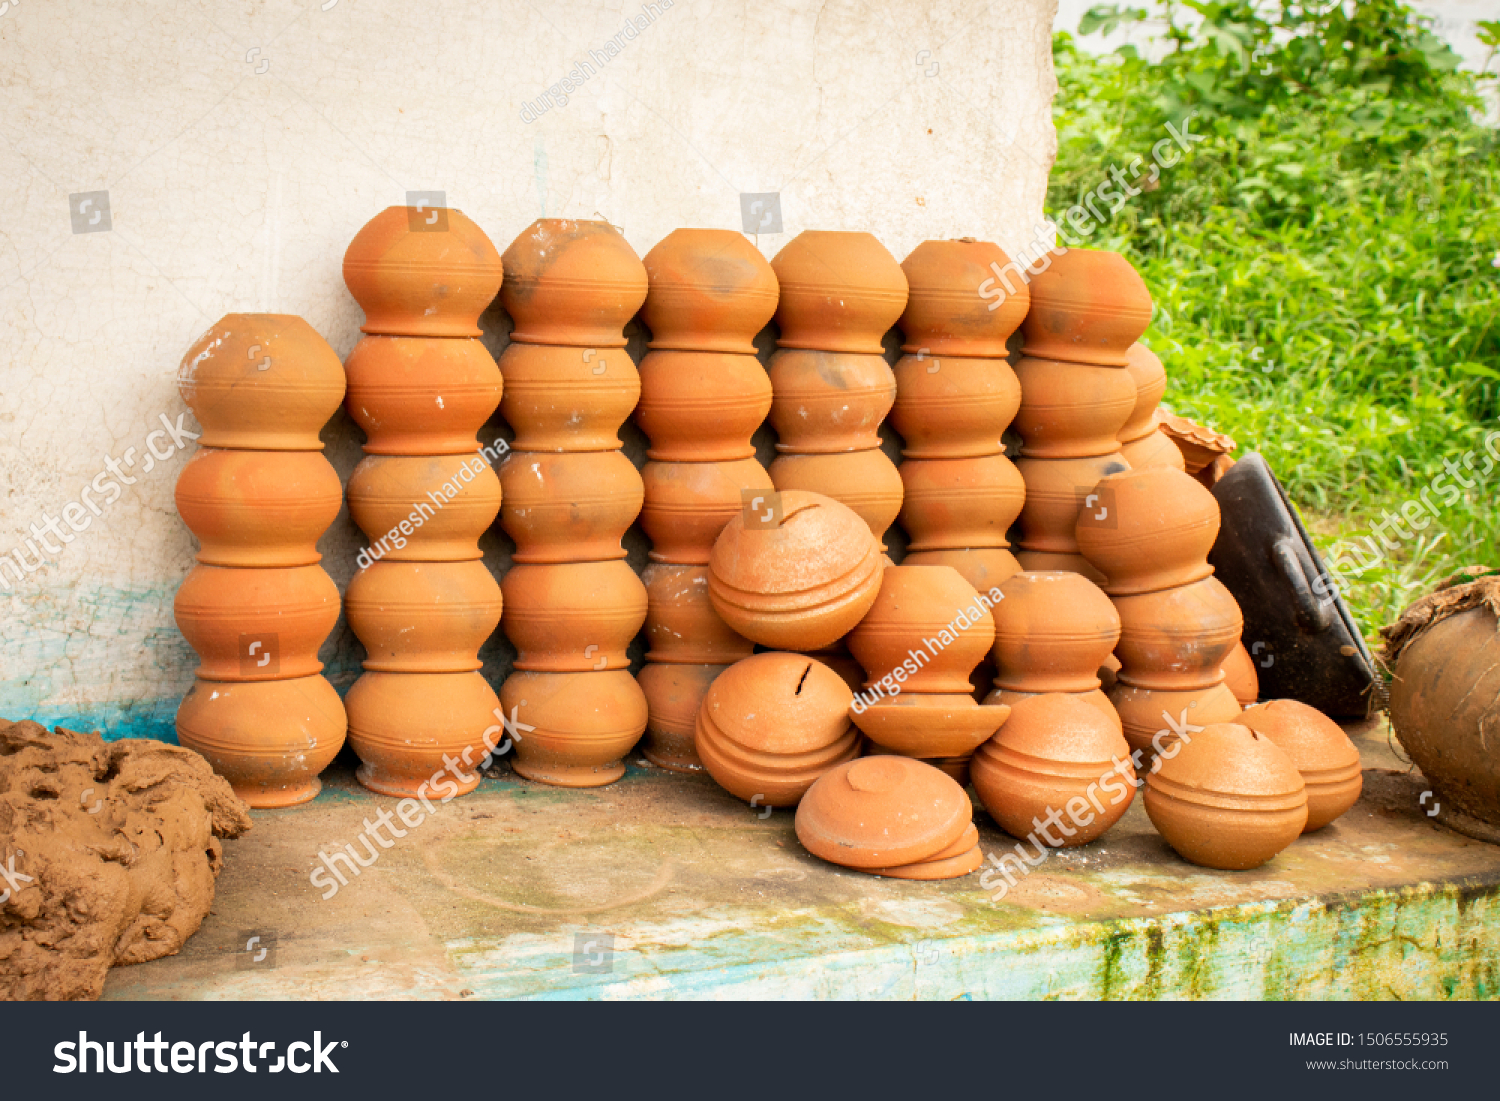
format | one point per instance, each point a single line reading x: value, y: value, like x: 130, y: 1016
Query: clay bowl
x: 1056, y: 491
x: 1177, y: 638
x: 572, y: 282
x: 283, y: 614
x: 674, y: 694
x: 710, y: 290
x: 953, y: 407
x: 927, y: 726
x: 1240, y: 675
x: 579, y: 726
x: 1150, y: 379
x: 927, y: 630
x: 866, y: 481
x: 567, y: 398
x: 986, y: 568
x: 1071, y: 410
x: 944, y: 315
x: 418, y: 396
x: 437, y: 506
x: 702, y: 407
x: 1150, y: 717
x: 1322, y: 753
x: 824, y: 402
x: 1153, y: 530
x: 688, y: 504
x: 1094, y: 697
x: 1055, y: 752
x: 569, y: 506
x: 1052, y: 632
x: 1087, y: 306
x: 839, y: 292
x: 957, y: 504
x: 572, y: 617
x: 1048, y: 561
x: 682, y: 627
x: 1152, y: 449
x: 1230, y: 798
x: 1200, y: 446
x: 262, y: 382
x: 882, y: 812
x: 799, y: 583
x: 423, y: 617
x: 258, y: 508
x: 270, y: 739
x: 406, y: 727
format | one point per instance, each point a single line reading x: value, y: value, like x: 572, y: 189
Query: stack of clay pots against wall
x: 421, y: 385
x: 257, y: 606
x: 572, y: 602
x: 703, y: 395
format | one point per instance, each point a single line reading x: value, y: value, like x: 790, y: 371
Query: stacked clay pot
x: 258, y: 494
x: 572, y: 603
x: 421, y: 385
x: 1141, y: 440
x: 1322, y: 753
x: 890, y: 816
x: 1178, y: 623
x: 703, y: 395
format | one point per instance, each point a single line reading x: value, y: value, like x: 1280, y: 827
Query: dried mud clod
x: 110, y: 851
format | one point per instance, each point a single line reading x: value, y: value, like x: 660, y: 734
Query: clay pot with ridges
x: 1052, y: 632
x: 1177, y: 638
x: 687, y: 505
x: 986, y: 568
x: 422, y: 272
x: 674, y: 695
x: 1241, y: 676
x: 584, y: 724
x: 1322, y: 753
x: 824, y: 402
x: 1152, y: 449
x: 883, y: 812
x: 710, y: 290
x: 572, y: 617
x: 681, y: 624
x: 953, y: 407
x: 928, y: 725
x: 1056, y: 490
x: 423, y: 617
x: 418, y: 396
x: 223, y: 613
x: 262, y: 509
x: 1156, y: 529
x: 944, y: 313
x: 1087, y: 306
x: 953, y: 504
x: 1071, y: 410
x: 562, y: 398
x: 930, y: 623
x: 572, y: 282
x: 839, y: 292
x: 386, y: 491
x: 866, y: 481
x: 1150, y: 379
x: 702, y: 407
x: 569, y: 506
x: 404, y: 725
x: 1150, y: 718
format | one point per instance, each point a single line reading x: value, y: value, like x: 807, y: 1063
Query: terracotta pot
x: 927, y: 870
x: 702, y: 407
x: 1056, y: 492
x: 772, y: 724
x: 839, y: 292
x: 1094, y: 697
x: 1240, y: 675
x: 883, y: 812
x: 688, y: 504
x: 1150, y: 379
x: 865, y: 481
x: 1052, y: 632
x: 953, y: 407
x: 1087, y: 306
x: 1199, y: 445
x: 422, y: 273
x: 407, y: 727
x: 1319, y: 749
x: 269, y: 739
x: 1071, y: 410
x: 418, y: 396
x: 825, y: 402
x: 674, y: 694
x: 1153, y: 530
x: 1229, y: 799
x: 1152, y: 449
x: 957, y: 504
x: 252, y: 625
x: 1151, y: 718
x: 569, y: 506
x: 1055, y: 753
x: 423, y: 617
x: 800, y: 583
x: 944, y: 313
x: 456, y: 497
x: 572, y: 282
x: 584, y: 724
x: 926, y: 631
x: 573, y: 617
x: 838, y: 658
x: 261, y: 381
x: 1177, y: 638
x: 983, y: 567
x: 567, y: 398
x: 710, y: 291
x: 927, y: 726
x: 1047, y: 561
x: 681, y: 624
x: 261, y: 509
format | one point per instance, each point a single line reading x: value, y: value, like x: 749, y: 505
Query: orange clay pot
x: 1228, y: 799
x: 569, y: 506
x: 702, y: 407
x: 1055, y: 753
x: 417, y: 396
x: 1153, y: 530
x: 572, y: 282
x: 1199, y: 446
x: 824, y: 402
x: 423, y: 617
x: 567, y: 398
x: 573, y: 617
x: 953, y: 407
x: 983, y: 567
x: 1052, y: 632
x: 1087, y: 306
x: 866, y: 481
x: 1151, y: 718
x: 1177, y: 638
x: 1319, y: 749
x: 952, y: 504
x: 945, y: 315
x: 584, y: 723
x: 1094, y: 697
x: 1071, y: 410
x: 223, y: 613
x: 1056, y: 490
x: 455, y: 497
x: 269, y: 739
x: 404, y: 725
x: 674, y: 694
x: 710, y: 291
x: 688, y: 504
x: 261, y: 381
x: 883, y: 812
x: 258, y: 508
x: 1150, y: 379
x: 681, y: 624
x: 1241, y: 676
x: 839, y: 292
x: 1152, y: 449
x: 927, y: 630
x: 928, y: 726
x: 800, y: 584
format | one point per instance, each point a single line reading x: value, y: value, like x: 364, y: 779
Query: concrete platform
x: 519, y: 891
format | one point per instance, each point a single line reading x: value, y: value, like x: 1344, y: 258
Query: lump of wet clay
x: 108, y: 852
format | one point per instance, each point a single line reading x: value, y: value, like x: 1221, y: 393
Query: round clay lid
x: 780, y: 703
x: 816, y: 540
x: 1058, y: 727
x: 1313, y: 741
x: 1226, y: 759
x: 879, y: 812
